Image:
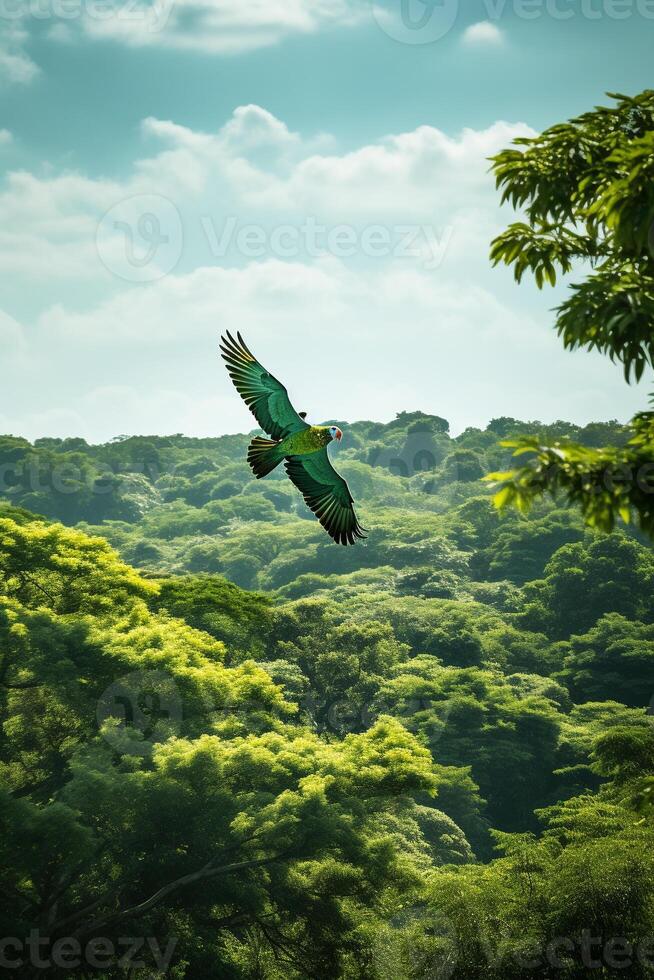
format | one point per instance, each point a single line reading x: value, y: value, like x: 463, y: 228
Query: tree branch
x: 205, y: 872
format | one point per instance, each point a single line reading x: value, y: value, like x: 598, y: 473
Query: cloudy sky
x: 311, y: 172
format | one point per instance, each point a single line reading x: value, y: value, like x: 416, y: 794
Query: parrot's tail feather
x: 263, y: 456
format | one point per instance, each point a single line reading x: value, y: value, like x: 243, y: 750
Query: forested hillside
x: 429, y: 755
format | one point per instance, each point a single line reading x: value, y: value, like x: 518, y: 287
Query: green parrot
x: 303, y: 447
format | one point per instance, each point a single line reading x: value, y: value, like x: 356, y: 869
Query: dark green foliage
x: 582, y: 582
x: 585, y: 188
x: 594, y: 173
x: 521, y: 550
x: 614, y: 659
x: 463, y: 466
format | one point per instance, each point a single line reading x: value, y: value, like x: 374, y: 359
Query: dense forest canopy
x: 427, y: 756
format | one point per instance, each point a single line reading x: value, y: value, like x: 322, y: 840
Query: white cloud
x: 252, y: 128
x: 287, y: 311
x: 220, y: 26
x: 11, y: 333
x: 412, y: 174
x: 16, y: 67
x: 136, y: 358
x: 180, y: 307
x: 48, y: 225
x: 62, y: 33
x: 483, y: 33
x: 5, y: 137
x: 15, y: 350
x: 253, y: 170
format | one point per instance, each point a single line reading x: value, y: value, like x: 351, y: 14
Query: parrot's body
x: 265, y: 454
x: 301, y: 446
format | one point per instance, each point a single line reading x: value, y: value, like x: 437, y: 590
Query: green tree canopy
x: 585, y: 188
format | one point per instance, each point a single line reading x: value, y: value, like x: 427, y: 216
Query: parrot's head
x: 335, y: 432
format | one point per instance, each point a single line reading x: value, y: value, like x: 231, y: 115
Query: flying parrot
x: 303, y: 447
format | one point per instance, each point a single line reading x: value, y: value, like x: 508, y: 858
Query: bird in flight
x: 301, y: 446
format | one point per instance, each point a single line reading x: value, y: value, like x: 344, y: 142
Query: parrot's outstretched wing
x: 327, y: 494
x: 265, y: 396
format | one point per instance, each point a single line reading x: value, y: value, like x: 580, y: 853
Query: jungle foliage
x: 430, y: 755
x: 583, y: 190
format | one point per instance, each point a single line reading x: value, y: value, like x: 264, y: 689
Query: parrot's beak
x: 339, y: 434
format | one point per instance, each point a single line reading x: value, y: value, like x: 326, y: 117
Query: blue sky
x: 312, y: 173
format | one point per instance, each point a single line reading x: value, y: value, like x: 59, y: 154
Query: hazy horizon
x: 245, y: 431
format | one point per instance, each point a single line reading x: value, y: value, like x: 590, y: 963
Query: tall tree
x: 586, y: 188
